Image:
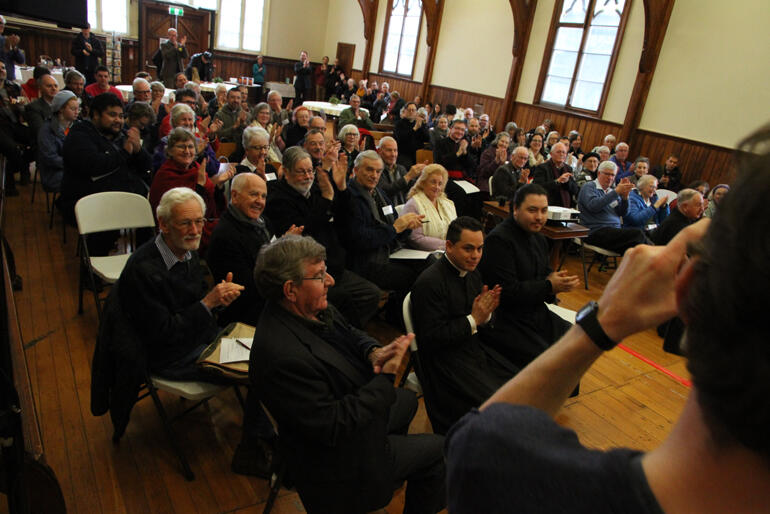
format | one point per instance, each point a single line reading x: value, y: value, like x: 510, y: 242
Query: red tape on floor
x: 657, y: 366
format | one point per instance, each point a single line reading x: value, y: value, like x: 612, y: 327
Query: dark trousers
x: 617, y: 240
x: 416, y: 458
x: 11, y: 137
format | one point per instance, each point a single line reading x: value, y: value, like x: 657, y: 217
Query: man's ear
x: 288, y: 291
x: 682, y: 286
x: 162, y: 225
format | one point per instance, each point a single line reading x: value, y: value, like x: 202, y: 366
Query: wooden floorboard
x: 623, y: 402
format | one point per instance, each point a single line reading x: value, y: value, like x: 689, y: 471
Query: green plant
x: 218, y: 80
x: 334, y: 100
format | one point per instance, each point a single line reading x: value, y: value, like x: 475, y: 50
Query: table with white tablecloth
x: 328, y: 108
x: 24, y: 73
x: 127, y: 90
x: 286, y: 90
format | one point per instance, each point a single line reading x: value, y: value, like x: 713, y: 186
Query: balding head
x: 48, y: 87
x: 248, y: 193
x: 388, y: 150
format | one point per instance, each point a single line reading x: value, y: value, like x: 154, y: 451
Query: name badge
x: 270, y: 176
x: 614, y: 204
x: 387, y: 210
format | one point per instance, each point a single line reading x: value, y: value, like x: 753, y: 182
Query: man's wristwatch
x: 588, y: 321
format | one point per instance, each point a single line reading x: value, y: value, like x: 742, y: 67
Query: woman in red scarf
x: 181, y: 170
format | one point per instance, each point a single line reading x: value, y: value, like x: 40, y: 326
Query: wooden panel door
x: 154, y: 22
x: 345, y: 53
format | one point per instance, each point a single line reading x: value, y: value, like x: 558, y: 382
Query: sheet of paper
x: 231, y: 351
x: 409, y: 254
x: 467, y: 186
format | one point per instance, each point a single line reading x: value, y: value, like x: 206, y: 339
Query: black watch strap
x: 587, y: 318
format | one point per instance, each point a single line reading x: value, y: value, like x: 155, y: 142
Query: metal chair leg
x: 186, y: 471
x: 583, y: 261
x: 34, y: 186
x: 275, y: 486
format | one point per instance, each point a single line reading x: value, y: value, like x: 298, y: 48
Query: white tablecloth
x: 210, y: 87
x: 24, y: 73
x: 286, y: 90
x: 327, y: 108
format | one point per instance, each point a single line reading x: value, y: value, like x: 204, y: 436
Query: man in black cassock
x: 516, y: 257
x: 449, y: 305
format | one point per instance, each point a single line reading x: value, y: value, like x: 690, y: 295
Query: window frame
x: 548, y: 54
x: 99, y: 26
x: 388, y: 11
x: 240, y: 49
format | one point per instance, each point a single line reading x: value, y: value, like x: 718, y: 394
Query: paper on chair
x: 231, y: 351
x: 409, y: 254
x: 467, y: 186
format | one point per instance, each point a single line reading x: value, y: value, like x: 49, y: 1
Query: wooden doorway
x: 345, y: 53
x: 154, y: 22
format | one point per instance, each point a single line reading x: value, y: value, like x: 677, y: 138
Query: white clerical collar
x: 462, y: 272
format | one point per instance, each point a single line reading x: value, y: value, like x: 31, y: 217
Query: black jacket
x: 93, y: 164
x: 205, y: 70
x: 545, y: 175
x: 304, y: 77
x: 409, y: 141
x: 332, y: 417
x: 445, y: 154
x: 87, y: 64
x: 671, y: 226
x: 233, y: 247
x: 324, y: 220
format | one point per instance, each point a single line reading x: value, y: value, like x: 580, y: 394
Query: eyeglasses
x: 321, y: 276
x: 310, y: 172
x: 259, y: 148
x: 187, y: 224
x: 185, y: 147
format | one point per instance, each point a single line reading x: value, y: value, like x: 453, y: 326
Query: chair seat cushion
x: 189, y: 390
x: 109, y: 268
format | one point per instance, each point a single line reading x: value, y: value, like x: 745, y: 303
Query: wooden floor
x: 623, y: 401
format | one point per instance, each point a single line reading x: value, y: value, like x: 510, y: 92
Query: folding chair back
x: 113, y: 210
x: 423, y: 154
x: 409, y: 377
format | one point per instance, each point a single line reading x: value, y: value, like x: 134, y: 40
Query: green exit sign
x: 176, y: 11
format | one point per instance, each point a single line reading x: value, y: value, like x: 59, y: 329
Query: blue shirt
x: 600, y: 209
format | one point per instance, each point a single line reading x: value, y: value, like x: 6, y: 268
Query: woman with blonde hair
x: 427, y: 197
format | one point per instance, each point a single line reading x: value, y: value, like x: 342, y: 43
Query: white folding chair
x: 670, y: 196
x: 565, y: 314
x: 409, y: 378
x: 101, y: 212
x: 399, y: 209
x: 597, y: 252
x: 490, y: 188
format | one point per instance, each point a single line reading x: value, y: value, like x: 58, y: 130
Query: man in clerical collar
x: 449, y: 306
x: 516, y: 256
x: 511, y: 175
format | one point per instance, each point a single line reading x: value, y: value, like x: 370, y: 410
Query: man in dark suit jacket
x: 556, y: 177
x: 303, y: 79
x: 689, y: 209
x: 330, y: 388
x: 172, y: 51
x: 87, y: 49
x: 39, y: 110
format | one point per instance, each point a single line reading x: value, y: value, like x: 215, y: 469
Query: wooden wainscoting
x: 592, y: 130
x: 57, y: 43
x: 698, y: 161
x: 492, y: 105
x: 408, y: 89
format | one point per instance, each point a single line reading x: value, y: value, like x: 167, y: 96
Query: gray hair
x: 621, y: 144
x: 551, y: 133
x: 642, y: 159
x: 600, y: 149
x: 273, y: 93
x: 261, y: 106
x: 519, y: 149
x: 220, y: 88
x: 352, y: 97
x: 384, y: 140
x: 71, y: 76
x: 292, y: 156
x: 645, y: 180
x: 178, y: 135
x: 366, y: 155
x: 251, y: 132
x: 192, y: 86
x: 178, y: 110
x: 608, y: 165
x: 499, y: 136
x: 346, y: 129
x: 284, y: 260
x: 138, y: 81
x: 685, y: 195
x: 176, y: 196
x: 139, y: 110
x: 610, y: 137
x: 157, y: 86
x: 511, y: 125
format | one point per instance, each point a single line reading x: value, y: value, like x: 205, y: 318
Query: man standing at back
x: 172, y: 51
x: 86, y: 48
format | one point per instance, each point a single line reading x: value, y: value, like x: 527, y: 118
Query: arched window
x: 580, y: 54
x: 399, y: 42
